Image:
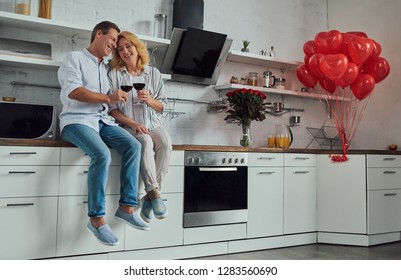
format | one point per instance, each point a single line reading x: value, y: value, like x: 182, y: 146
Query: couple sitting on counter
x: 92, y: 101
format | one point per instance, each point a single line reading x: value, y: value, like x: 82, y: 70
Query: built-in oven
x: 215, y: 188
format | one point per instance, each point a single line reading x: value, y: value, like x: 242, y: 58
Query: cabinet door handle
x: 21, y: 172
x: 389, y: 172
x: 19, y: 204
x: 389, y: 158
x: 266, y: 172
x: 86, y: 172
x: 390, y: 194
x: 301, y: 158
x: 266, y: 158
x: 22, y: 153
x: 301, y: 172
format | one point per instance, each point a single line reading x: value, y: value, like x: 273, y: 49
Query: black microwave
x: 27, y: 121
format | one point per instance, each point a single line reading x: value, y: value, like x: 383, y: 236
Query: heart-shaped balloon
x: 314, y: 65
x: 378, y: 67
x: 328, y: 85
x: 305, y: 76
x: 333, y: 65
x: 359, y: 33
x: 377, y: 50
x: 363, y: 86
x: 328, y: 42
x: 310, y: 48
x: 349, y: 75
x: 359, y: 49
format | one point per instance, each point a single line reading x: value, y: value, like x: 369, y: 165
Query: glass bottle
x: 159, y: 28
x: 253, y: 79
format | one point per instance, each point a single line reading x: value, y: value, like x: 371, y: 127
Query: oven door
x: 215, y: 195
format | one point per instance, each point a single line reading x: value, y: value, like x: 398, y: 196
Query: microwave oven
x: 27, y: 121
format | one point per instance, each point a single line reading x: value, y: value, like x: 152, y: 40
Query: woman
x: 142, y: 116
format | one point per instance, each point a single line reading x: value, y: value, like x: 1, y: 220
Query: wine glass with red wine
x: 126, y: 86
x: 138, y: 83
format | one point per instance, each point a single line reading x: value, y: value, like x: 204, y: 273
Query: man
x: 84, y: 121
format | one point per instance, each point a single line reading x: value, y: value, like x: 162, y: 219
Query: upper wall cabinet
x: 262, y: 60
x: 54, y: 27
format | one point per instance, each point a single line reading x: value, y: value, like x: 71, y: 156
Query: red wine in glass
x: 139, y: 86
x: 126, y: 88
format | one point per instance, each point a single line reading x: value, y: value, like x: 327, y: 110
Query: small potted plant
x: 245, y: 44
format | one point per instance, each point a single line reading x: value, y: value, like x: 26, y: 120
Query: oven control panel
x: 199, y: 158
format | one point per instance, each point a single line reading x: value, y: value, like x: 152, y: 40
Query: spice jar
x: 159, y: 28
x: 253, y: 79
x: 280, y: 83
x: 23, y: 7
x: 45, y: 7
x: 234, y: 80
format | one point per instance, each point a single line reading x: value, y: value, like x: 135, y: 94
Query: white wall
x: 381, y: 21
x: 285, y: 24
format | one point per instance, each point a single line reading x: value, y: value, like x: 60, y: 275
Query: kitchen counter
x: 214, y: 148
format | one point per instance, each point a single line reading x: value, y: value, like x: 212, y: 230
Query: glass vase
x: 246, y: 134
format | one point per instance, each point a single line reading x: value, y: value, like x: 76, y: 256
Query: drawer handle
x: 389, y: 172
x: 389, y: 158
x: 301, y: 158
x: 19, y: 204
x: 22, y: 153
x: 390, y: 194
x: 266, y: 172
x: 301, y: 172
x: 267, y: 158
x: 85, y: 202
x: 21, y: 172
x: 86, y: 172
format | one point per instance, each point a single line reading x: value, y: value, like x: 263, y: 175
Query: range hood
x: 196, y: 56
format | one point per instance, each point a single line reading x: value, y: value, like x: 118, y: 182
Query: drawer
x: 28, y: 228
x: 384, y: 178
x: 177, y: 158
x: 11, y: 155
x: 74, y: 180
x: 299, y: 160
x: 265, y: 159
x: 75, y: 156
x: 384, y: 208
x: 17, y: 181
x: 383, y: 161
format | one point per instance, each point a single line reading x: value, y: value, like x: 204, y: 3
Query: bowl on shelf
x: 9, y: 98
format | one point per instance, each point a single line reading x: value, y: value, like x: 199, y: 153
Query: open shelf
x: 283, y: 92
x: 262, y: 60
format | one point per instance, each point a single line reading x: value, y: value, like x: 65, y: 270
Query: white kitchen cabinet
x: 28, y: 202
x: 265, y: 195
x: 341, y: 192
x: 28, y: 227
x: 384, y: 193
x: 299, y: 193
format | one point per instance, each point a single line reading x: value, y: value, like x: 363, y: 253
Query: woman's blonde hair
x: 143, y: 54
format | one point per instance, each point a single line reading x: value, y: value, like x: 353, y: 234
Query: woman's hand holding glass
x: 139, y: 85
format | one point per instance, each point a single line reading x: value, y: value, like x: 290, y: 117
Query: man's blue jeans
x: 96, y: 145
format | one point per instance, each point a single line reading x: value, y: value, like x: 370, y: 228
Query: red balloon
x: 328, y: 85
x: 359, y: 48
x: 363, y: 86
x: 359, y: 33
x: 305, y: 76
x: 314, y: 65
x: 349, y: 75
x: 377, y: 49
x: 306, y: 59
x: 378, y: 67
x: 333, y: 65
x: 310, y: 48
x: 328, y: 42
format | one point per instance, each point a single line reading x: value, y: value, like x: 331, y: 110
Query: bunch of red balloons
x: 335, y: 59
